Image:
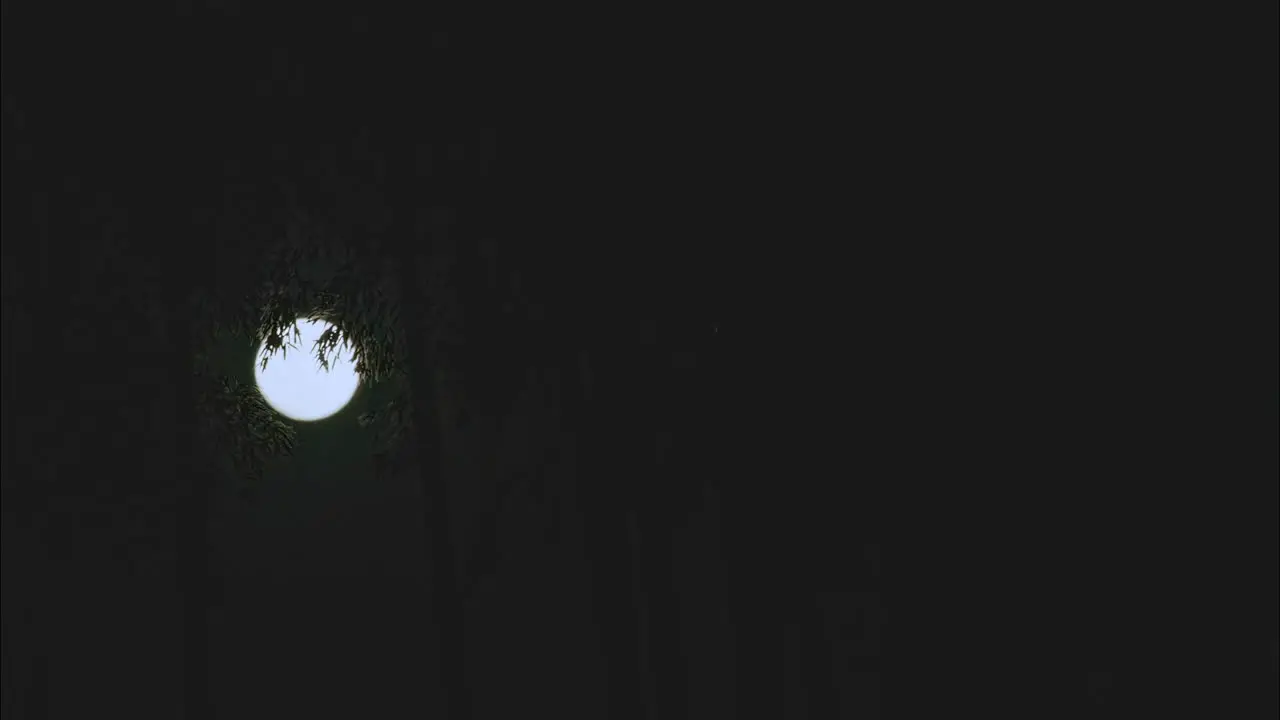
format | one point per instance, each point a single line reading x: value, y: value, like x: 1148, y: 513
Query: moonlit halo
x: 297, y: 386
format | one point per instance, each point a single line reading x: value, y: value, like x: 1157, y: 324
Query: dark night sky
x: 732, y: 283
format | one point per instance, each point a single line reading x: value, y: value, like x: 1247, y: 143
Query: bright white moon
x: 295, y: 384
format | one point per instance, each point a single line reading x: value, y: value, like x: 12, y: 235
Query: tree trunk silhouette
x: 605, y: 484
x: 754, y: 562
x: 429, y: 242
x: 666, y: 635
x: 29, y: 269
x: 25, y: 538
x: 193, y: 471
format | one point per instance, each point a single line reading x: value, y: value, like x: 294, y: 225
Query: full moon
x: 297, y: 386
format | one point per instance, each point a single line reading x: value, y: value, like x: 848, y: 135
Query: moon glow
x: 295, y: 384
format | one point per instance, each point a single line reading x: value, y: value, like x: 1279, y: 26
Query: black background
x: 1009, y: 296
